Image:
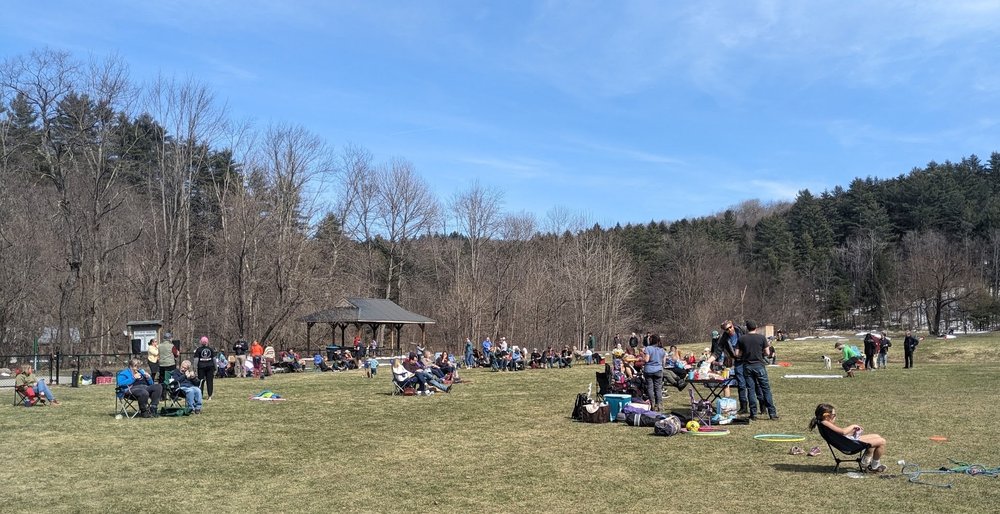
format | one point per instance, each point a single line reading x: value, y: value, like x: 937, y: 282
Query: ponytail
x: 823, y: 412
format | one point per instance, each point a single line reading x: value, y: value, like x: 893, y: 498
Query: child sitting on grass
x: 872, y: 459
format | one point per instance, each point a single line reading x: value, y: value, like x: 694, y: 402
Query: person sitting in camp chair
x: 413, y: 365
x: 428, y: 363
x: 32, y: 388
x: 871, y: 461
x: 188, y: 383
x: 405, y: 378
x: 134, y: 383
x: 447, y: 366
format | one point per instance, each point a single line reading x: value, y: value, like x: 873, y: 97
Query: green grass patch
x: 504, y: 442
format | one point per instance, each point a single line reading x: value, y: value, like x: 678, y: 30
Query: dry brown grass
x: 501, y: 443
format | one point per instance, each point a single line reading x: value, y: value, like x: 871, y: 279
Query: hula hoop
x: 710, y: 433
x: 780, y: 438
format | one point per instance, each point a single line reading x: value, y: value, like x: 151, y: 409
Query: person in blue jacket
x: 134, y: 383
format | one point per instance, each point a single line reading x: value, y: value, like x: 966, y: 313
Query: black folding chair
x: 846, y: 447
x: 175, y: 396
x: 125, y: 404
x: 603, y: 384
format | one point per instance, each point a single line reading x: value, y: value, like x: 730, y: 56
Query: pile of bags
x: 634, y: 414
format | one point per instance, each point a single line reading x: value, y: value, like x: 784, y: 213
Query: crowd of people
x: 876, y: 352
x: 425, y: 373
x: 501, y: 356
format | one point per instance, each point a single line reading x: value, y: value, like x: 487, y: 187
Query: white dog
x: 826, y: 362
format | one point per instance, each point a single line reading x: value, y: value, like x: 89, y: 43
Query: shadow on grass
x: 804, y: 468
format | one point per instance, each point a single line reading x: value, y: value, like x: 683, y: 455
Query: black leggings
x: 206, y: 375
x: 144, y: 394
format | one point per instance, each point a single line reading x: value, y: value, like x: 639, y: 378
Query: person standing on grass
x: 870, y: 351
x: 153, y: 358
x: 883, y: 351
x: 909, y: 346
x: 206, y: 366
x: 727, y: 344
x: 470, y: 358
x: 633, y: 342
x: 168, y: 362
x: 751, y: 350
x: 257, y: 357
x: 653, y: 370
x: 240, y: 352
x: 488, y: 350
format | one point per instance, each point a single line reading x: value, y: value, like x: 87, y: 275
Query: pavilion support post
x: 375, y: 327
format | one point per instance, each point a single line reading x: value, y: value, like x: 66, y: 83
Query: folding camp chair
x: 399, y: 388
x: 125, y: 405
x: 603, y: 384
x: 20, y: 397
x: 175, y: 396
x: 701, y: 410
x: 843, y: 444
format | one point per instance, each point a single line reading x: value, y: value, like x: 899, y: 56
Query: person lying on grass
x: 872, y: 459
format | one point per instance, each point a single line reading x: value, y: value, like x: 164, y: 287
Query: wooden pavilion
x: 366, y: 312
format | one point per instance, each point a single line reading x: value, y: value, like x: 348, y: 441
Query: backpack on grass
x: 581, y: 400
x: 668, y: 426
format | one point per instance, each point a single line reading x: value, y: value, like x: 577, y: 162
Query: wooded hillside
x: 123, y: 201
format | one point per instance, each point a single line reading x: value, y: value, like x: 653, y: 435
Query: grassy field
x: 504, y: 442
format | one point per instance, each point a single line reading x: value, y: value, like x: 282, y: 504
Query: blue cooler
x: 616, y: 402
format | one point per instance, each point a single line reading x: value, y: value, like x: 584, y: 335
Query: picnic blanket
x: 267, y: 396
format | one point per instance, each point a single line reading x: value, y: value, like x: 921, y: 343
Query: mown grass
x: 503, y: 442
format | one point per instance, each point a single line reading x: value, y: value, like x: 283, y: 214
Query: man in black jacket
x: 909, y: 345
x: 240, y: 350
x: 205, y: 356
x: 869, y: 351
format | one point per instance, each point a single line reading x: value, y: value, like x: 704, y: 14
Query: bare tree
x: 938, y: 273
x: 477, y: 215
x: 405, y: 208
x: 191, y: 122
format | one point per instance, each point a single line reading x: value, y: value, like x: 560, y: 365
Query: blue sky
x: 624, y: 111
